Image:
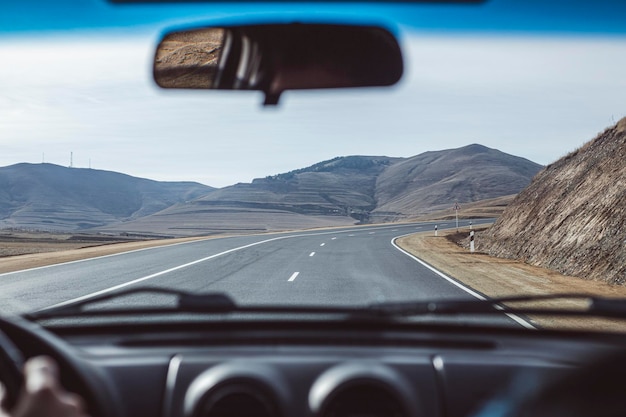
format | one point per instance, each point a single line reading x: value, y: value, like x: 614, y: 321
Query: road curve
x: 351, y: 266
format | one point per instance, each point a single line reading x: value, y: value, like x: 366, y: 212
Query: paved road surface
x: 342, y: 266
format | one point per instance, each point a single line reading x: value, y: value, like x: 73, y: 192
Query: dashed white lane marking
x: 322, y: 244
x: 394, y: 230
x: 312, y: 253
x: 371, y: 233
x: 350, y: 235
x: 166, y: 271
x: 293, y: 276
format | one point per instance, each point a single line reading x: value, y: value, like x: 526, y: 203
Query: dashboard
x: 317, y: 368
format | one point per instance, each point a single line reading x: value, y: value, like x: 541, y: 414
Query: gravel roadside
x: 35, y: 260
x: 496, y: 277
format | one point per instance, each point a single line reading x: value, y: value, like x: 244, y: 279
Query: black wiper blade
x: 186, y: 302
x: 596, y: 306
x: 219, y: 303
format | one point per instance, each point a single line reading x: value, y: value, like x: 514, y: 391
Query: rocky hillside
x: 339, y: 191
x: 572, y: 217
x: 436, y: 180
x: 345, y: 190
x: 341, y: 186
x: 52, y: 197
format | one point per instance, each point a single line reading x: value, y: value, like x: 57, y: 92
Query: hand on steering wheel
x: 42, y: 394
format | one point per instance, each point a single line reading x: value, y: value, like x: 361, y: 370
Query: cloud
x: 530, y: 96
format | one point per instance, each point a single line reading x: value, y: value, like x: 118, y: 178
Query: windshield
x: 334, y: 197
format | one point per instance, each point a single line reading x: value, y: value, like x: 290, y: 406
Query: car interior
x: 206, y: 355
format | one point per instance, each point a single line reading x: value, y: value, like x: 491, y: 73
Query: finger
x: 42, y: 364
x: 3, y: 393
x: 72, y: 402
x: 40, y: 374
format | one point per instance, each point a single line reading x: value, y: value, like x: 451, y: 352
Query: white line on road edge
x: 303, y: 234
x: 106, y: 256
x: 514, y: 317
x: 312, y: 253
x: 166, y: 271
x: 135, y: 281
x: 322, y: 244
x: 293, y: 276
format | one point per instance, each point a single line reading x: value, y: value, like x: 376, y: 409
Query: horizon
x: 260, y: 176
x: 494, y: 77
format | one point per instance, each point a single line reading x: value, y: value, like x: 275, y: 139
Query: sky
x: 77, y: 80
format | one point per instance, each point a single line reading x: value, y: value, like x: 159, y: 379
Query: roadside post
x: 456, y: 212
x: 472, y: 241
x: 470, y: 225
x: 435, y: 230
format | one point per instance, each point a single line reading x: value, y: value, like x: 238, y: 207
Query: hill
x: 344, y: 190
x: 337, y: 192
x: 436, y: 180
x: 340, y: 191
x: 572, y: 217
x: 52, y: 197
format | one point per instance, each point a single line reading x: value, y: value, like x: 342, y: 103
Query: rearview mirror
x: 278, y: 57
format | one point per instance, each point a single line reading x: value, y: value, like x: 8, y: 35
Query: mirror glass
x: 279, y: 57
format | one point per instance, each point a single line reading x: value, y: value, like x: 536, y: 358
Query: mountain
x: 572, y: 217
x: 436, y: 180
x: 344, y: 190
x: 339, y: 191
x: 51, y: 197
x: 339, y: 186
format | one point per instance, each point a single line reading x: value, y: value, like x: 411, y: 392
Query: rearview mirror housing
x: 274, y: 58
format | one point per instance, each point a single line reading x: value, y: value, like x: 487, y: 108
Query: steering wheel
x: 11, y: 364
x: 21, y: 339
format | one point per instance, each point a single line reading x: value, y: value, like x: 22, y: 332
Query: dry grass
x: 496, y: 277
x: 49, y: 250
x: 489, y: 208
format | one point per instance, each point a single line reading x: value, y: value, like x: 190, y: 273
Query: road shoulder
x: 37, y: 260
x: 497, y: 277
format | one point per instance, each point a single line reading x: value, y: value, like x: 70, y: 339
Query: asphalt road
x: 351, y: 266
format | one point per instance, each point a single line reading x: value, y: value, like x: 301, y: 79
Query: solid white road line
x: 312, y: 253
x: 293, y: 276
x: 515, y: 318
x: 135, y: 281
x: 166, y: 271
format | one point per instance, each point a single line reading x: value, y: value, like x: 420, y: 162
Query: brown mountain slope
x: 572, y: 217
x: 436, y: 180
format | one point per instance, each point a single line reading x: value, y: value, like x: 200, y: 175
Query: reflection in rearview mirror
x: 189, y: 59
x: 276, y: 58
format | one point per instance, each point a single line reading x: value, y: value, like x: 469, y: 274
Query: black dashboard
x: 312, y: 368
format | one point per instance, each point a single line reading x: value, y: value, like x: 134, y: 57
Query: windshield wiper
x: 185, y: 302
x: 596, y: 306
x: 219, y: 303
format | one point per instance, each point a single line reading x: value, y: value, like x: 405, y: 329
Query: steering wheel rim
x: 24, y: 339
x: 11, y: 365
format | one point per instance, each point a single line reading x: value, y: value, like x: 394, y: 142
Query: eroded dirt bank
x: 498, y: 277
